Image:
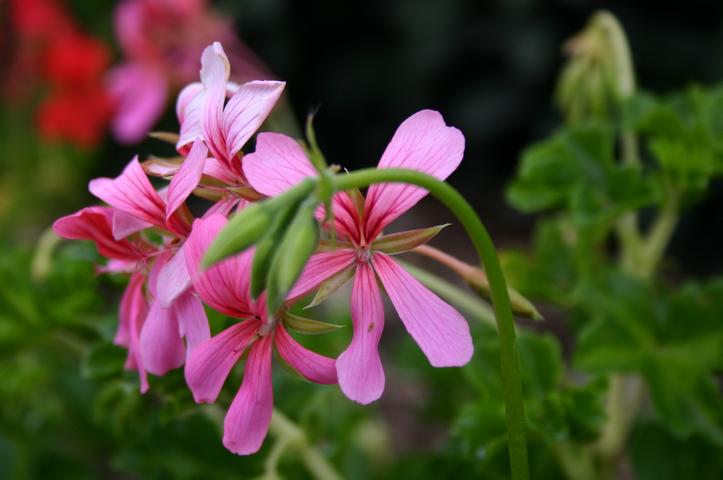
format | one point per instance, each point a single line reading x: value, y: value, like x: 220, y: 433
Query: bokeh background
x: 489, y: 66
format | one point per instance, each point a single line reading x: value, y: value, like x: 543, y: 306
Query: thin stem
x: 293, y: 436
x: 509, y: 361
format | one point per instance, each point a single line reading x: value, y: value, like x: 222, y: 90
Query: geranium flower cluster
x: 150, y: 234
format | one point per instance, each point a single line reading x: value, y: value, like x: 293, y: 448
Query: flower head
x: 422, y: 142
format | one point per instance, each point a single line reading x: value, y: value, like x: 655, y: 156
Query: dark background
x: 489, y: 66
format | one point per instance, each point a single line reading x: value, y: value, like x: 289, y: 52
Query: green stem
x: 289, y: 433
x: 509, y: 361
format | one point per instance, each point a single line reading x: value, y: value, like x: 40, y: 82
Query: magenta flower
x: 161, y: 41
x: 158, y: 308
x: 225, y: 287
x: 210, y: 124
x: 422, y: 142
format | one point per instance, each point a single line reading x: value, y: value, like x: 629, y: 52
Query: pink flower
x: 422, y: 142
x: 158, y: 308
x: 161, y: 41
x: 225, y: 287
x: 209, y: 125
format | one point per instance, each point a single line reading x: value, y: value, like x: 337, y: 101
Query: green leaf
x: 103, y: 360
x: 575, y: 170
x: 404, y: 241
x: 673, y: 339
x: 307, y: 325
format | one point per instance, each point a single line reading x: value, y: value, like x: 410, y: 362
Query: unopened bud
x: 250, y: 224
x: 297, y: 245
x: 599, y: 76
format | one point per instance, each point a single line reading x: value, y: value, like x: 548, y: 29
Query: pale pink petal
x: 225, y: 285
x: 320, y: 267
x: 439, y: 330
x: 312, y: 366
x: 219, y: 171
x: 248, y: 417
x: 117, y: 266
x: 139, y: 94
x: 187, y: 178
x: 173, y: 279
x: 211, y: 361
x: 246, y: 110
x: 215, y: 71
x: 96, y: 224
x: 185, y: 96
x: 133, y: 311
x: 125, y: 225
x: 422, y: 142
x: 277, y: 164
x: 189, y: 109
x: 361, y: 375
x: 192, y: 321
x: 161, y: 346
x: 132, y: 193
x: 224, y: 206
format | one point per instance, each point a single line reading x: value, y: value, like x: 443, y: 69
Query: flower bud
x: 297, y: 245
x: 267, y: 247
x: 250, y: 224
x: 599, y: 76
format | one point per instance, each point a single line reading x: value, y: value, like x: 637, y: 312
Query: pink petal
x: 246, y: 110
x: 422, y: 142
x: 161, y: 346
x: 189, y: 109
x: 215, y: 71
x: 211, y: 361
x: 224, y: 206
x: 133, y: 311
x: 225, y: 285
x: 439, y: 330
x: 173, y: 279
x: 139, y: 94
x: 192, y: 321
x: 219, y: 171
x: 187, y: 178
x: 278, y: 164
x: 361, y: 375
x: 320, y: 267
x: 132, y: 193
x: 249, y: 415
x: 125, y: 225
x: 96, y: 224
x: 312, y: 366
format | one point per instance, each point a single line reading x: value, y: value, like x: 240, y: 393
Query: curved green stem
x: 509, y: 361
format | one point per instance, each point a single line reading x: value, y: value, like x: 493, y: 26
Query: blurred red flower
x: 50, y: 52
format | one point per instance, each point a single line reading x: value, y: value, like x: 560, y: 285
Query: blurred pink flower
x: 161, y: 41
x: 422, y: 142
x: 225, y: 287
